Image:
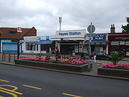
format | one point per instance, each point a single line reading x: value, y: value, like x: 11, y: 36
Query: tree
x: 125, y: 28
x: 116, y: 57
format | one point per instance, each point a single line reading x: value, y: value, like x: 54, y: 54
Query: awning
x: 45, y: 42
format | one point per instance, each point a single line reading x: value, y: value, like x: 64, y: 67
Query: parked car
x: 102, y: 56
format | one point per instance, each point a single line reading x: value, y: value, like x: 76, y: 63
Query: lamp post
x: 60, y: 21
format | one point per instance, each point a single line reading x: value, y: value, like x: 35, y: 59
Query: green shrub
x: 116, y: 57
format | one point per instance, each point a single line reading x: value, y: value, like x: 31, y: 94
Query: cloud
x: 77, y: 14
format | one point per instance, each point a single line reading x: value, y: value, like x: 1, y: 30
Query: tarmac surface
x: 29, y: 82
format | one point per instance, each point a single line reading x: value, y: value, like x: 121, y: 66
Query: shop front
x: 70, y: 41
x: 98, y: 43
x: 38, y: 44
x: 118, y: 42
x: 69, y: 47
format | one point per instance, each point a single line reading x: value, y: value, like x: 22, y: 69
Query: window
x: 31, y: 46
x: 127, y: 43
x: 12, y: 32
x: 122, y: 42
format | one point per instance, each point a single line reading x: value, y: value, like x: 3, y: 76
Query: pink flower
x: 127, y: 68
x: 52, y: 60
x: 70, y: 61
x: 77, y: 62
x: 122, y: 66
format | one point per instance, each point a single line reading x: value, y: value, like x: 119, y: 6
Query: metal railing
x: 10, y: 57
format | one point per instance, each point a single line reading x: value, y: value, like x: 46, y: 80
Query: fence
x: 10, y: 57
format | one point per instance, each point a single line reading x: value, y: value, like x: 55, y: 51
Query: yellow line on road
x: 29, y: 86
x: 10, y: 91
x: 14, y: 95
x: 1, y: 96
x: 71, y: 95
x: 4, y: 80
x: 14, y: 87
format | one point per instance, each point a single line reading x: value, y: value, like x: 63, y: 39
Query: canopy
x: 45, y: 42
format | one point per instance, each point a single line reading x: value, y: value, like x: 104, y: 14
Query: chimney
x: 112, y: 29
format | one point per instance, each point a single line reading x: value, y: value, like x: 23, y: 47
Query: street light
x: 60, y: 21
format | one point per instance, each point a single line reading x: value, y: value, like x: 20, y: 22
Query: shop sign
x: 19, y: 29
x: 115, y: 43
x: 69, y: 33
x: 99, y: 37
x: 122, y: 38
x: 5, y: 40
x: 66, y: 38
x: 98, y: 43
x: 32, y: 38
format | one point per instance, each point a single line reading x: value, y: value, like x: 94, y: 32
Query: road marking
x: 4, y: 80
x: 10, y: 91
x: 71, y: 95
x: 14, y: 95
x: 1, y: 96
x: 29, y: 86
x: 15, y: 88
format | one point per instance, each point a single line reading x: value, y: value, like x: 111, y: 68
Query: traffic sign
x: 91, y: 28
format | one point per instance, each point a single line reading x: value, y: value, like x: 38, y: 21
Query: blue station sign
x: 99, y: 37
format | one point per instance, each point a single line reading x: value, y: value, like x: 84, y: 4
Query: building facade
x: 98, y: 43
x: 10, y: 38
x: 69, y: 41
x: 38, y: 44
x: 118, y: 42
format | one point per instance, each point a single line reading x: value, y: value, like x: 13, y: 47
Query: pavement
x: 93, y: 72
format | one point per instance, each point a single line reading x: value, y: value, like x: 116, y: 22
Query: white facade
x: 31, y: 40
x: 30, y: 44
x: 70, y: 40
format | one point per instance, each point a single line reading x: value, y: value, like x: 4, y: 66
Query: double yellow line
x: 12, y: 92
x: 4, y: 80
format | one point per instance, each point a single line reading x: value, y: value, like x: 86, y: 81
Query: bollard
x: 14, y: 56
x: 9, y: 57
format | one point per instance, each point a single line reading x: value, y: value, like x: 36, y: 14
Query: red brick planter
x: 113, y: 72
x: 58, y: 66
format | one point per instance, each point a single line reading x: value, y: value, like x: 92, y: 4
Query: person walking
x: 94, y: 57
x: 57, y: 53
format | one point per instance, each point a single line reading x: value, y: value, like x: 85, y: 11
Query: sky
x: 76, y: 14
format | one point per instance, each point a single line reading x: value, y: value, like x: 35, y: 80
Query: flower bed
x: 118, y: 66
x: 61, y: 64
x: 121, y: 70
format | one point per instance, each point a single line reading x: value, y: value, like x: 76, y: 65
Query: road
x: 27, y: 82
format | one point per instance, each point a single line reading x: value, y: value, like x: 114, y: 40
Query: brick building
x: 9, y: 38
x: 118, y: 42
